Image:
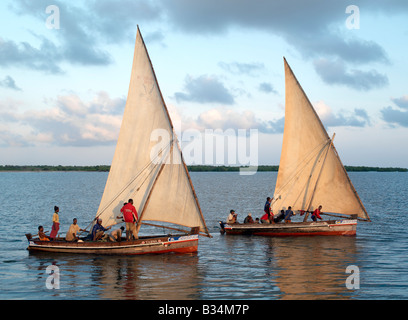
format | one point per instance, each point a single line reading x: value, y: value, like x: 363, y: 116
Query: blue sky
x: 219, y: 65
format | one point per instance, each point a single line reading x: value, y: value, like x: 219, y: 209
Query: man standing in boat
x: 268, y: 216
x: 130, y: 216
x: 267, y: 207
x: 55, y: 224
x: 288, y: 215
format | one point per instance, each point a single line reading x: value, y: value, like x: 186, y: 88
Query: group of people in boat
x: 269, y: 217
x: 98, y: 232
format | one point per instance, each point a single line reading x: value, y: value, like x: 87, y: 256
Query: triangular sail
x: 310, y: 171
x: 158, y: 182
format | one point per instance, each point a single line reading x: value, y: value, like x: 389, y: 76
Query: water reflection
x: 158, y: 277
x: 226, y: 267
x: 313, y: 267
x: 290, y: 268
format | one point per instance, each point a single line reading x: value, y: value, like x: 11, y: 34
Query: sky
x: 65, y: 70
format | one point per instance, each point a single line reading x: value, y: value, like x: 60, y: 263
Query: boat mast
x: 139, y: 221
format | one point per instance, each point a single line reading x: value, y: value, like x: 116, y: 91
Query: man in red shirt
x: 130, y: 216
x: 316, y: 214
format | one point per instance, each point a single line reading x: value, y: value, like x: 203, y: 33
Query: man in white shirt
x: 232, y: 217
x: 72, y: 232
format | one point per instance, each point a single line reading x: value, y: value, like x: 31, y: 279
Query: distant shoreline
x: 192, y: 168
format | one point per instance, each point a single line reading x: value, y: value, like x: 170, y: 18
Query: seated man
x: 316, y: 214
x: 72, y: 232
x: 249, y: 219
x: 42, y: 235
x: 98, y: 230
x: 267, y: 218
x: 279, y: 217
x: 232, y: 217
x: 116, y: 235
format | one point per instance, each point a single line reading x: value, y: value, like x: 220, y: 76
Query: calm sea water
x: 225, y: 267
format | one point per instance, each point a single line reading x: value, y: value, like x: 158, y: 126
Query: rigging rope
x: 302, y: 166
x: 156, y: 163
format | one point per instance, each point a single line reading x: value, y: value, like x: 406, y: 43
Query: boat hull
x: 319, y: 228
x: 148, y: 245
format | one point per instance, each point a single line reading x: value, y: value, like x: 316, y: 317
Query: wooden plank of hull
x: 320, y: 228
x: 178, y: 244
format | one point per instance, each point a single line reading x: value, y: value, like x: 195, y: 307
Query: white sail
x: 310, y: 171
x: 158, y: 182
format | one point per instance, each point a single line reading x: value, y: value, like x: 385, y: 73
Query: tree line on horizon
x: 191, y: 168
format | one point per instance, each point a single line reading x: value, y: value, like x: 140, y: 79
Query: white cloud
x: 69, y: 122
x: 357, y: 118
x: 224, y: 118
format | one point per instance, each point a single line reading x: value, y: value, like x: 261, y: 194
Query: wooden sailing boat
x: 154, y: 175
x: 310, y: 174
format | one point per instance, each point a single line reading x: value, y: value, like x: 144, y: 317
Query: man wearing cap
x: 98, y: 230
x: 232, y: 217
